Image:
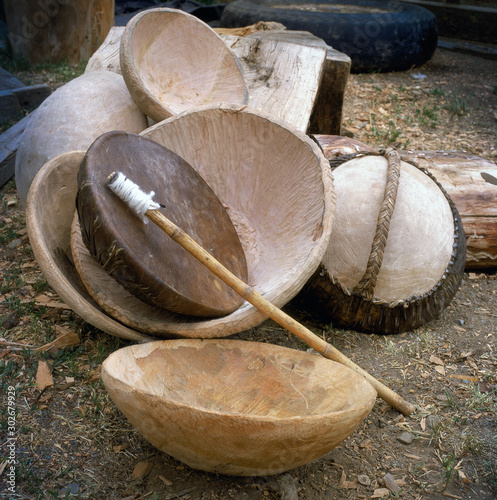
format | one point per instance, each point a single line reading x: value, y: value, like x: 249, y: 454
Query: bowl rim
x: 151, y: 105
x: 370, y: 393
x: 59, y: 282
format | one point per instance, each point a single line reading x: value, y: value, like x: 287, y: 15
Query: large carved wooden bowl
x: 172, y: 61
x: 50, y: 208
x: 236, y: 407
x: 71, y: 119
x: 278, y: 190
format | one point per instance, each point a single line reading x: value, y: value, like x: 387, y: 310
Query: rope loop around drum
x: 365, y: 287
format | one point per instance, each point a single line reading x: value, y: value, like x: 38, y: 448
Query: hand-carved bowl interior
x: 172, y: 61
x: 236, y: 407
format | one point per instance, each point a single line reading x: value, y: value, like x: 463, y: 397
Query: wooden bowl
x: 114, y: 299
x: 278, y: 190
x: 50, y: 208
x: 71, y: 119
x: 235, y: 407
x: 171, y: 62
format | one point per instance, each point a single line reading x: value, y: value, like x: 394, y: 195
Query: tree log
x: 321, y: 113
x: 469, y: 180
x: 57, y: 31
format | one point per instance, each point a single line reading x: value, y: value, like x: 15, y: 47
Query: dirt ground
x: 70, y: 440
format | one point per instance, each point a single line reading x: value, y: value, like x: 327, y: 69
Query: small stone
x: 288, y: 488
x: 390, y: 483
x: 405, y: 437
x: 432, y: 421
x: 364, y: 479
x: 381, y: 423
x: 141, y: 470
x: 71, y: 489
x: 14, y: 244
x: 11, y: 321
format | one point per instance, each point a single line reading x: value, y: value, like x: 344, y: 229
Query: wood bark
x: 57, y: 31
x: 283, y: 77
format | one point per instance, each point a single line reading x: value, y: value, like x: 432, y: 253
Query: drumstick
x: 142, y: 204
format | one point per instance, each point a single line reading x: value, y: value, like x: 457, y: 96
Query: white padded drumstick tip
x: 131, y: 194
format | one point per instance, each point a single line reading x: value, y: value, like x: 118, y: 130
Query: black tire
x: 376, y: 35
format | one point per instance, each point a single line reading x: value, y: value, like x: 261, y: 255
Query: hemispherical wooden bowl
x: 72, y: 118
x: 172, y: 61
x: 235, y: 407
x: 278, y: 190
x: 50, y: 209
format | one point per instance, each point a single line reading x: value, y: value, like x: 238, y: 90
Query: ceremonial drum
x: 397, y: 252
x: 71, y: 119
x: 138, y: 254
x: 172, y: 61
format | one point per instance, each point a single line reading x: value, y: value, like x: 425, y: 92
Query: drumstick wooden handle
x: 270, y: 310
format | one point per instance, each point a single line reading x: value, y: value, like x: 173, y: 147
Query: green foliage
x: 438, y: 92
x: 428, y: 116
x: 457, y: 106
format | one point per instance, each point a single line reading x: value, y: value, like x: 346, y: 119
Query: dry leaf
x: 423, y: 424
x: 142, y: 469
x: 347, y: 485
x: 67, y: 339
x: 69, y: 382
x: 165, y: 481
x: 464, y: 377
x: 439, y: 369
x: 95, y: 374
x: 121, y: 447
x: 380, y: 493
x: 435, y: 360
x: 43, y: 376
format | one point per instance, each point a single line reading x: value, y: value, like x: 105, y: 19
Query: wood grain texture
x: 326, y: 114
x: 171, y: 62
x: 235, y: 407
x: 424, y: 256
x: 278, y: 191
x: 49, y: 213
x: 69, y: 30
x: 283, y: 77
x: 462, y: 175
x: 273, y: 84
x: 71, y: 119
x: 106, y: 57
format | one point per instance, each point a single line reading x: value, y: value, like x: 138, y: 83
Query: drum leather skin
x: 138, y: 254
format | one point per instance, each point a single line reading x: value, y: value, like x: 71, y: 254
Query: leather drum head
x: 137, y: 253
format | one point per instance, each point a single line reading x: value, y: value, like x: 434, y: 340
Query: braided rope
x: 365, y: 287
